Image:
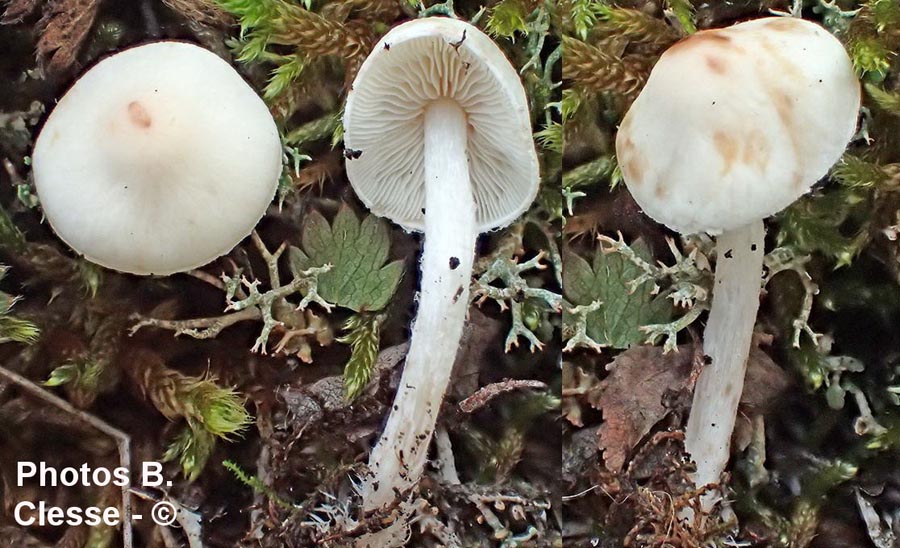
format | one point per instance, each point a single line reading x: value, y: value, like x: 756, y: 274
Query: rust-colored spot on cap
x: 705, y: 37
x: 139, y: 115
x: 784, y: 106
x: 786, y: 24
x: 716, y: 64
x: 727, y: 147
x: 661, y: 191
x: 633, y: 168
x: 756, y: 150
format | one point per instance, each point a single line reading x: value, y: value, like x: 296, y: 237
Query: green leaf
x: 616, y: 323
x: 359, y: 279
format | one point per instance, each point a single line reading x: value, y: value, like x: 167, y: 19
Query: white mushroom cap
x: 158, y: 160
x: 412, y: 65
x: 735, y: 124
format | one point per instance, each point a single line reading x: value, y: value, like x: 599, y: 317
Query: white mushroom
x: 732, y: 126
x: 158, y: 160
x: 438, y: 139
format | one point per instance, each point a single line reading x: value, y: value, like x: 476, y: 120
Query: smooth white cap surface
x: 735, y: 124
x: 412, y: 65
x: 159, y: 159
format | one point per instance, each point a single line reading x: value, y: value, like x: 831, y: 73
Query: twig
x: 199, y: 328
x: 500, y: 530
x: 485, y: 394
x: 206, y: 277
x: 123, y: 440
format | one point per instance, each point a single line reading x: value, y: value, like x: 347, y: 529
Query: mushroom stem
x: 399, y: 457
x: 727, y: 343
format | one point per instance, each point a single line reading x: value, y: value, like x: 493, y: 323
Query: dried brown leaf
x: 477, y: 349
x: 638, y: 394
x: 632, y: 400
x: 764, y: 383
x: 63, y: 27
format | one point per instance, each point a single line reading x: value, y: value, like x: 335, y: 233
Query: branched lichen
x: 504, y: 267
x: 244, y: 301
x: 688, y: 281
x: 576, y: 328
x: 784, y: 259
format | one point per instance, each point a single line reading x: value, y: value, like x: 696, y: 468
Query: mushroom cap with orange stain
x: 158, y: 160
x: 735, y: 124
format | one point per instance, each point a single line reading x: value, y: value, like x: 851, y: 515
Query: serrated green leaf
x: 616, y: 323
x: 359, y: 279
